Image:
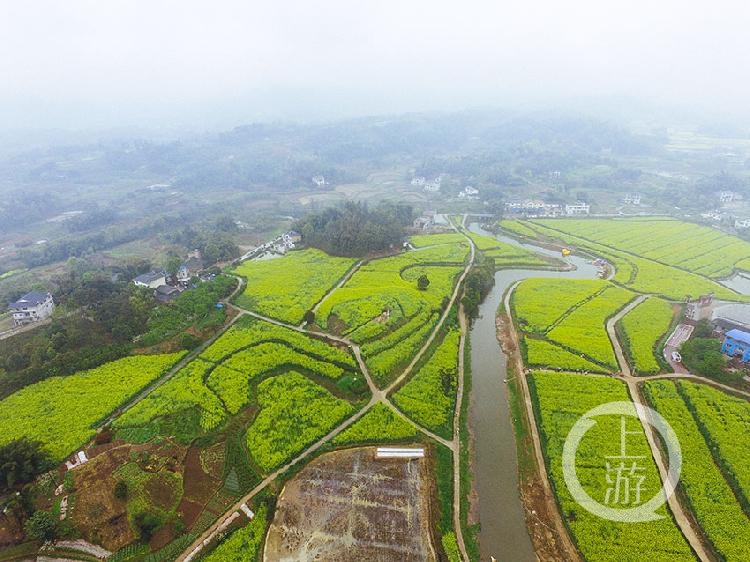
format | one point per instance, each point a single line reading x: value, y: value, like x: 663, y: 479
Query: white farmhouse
x: 742, y: 224
x: 32, y: 307
x: 578, y: 208
x: 632, y: 199
x: 319, y: 181
x: 151, y: 280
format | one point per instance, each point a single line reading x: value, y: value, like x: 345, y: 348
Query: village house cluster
x: 432, y: 186
x: 537, y: 208
x: 470, y: 193
x: 279, y: 245
x: 731, y: 202
x: 165, y: 289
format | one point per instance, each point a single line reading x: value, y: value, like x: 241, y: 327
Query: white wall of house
x: 159, y: 281
x: 26, y: 315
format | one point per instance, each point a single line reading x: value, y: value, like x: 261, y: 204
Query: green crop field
x: 640, y: 265
x: 244, y: 544
x: 288, y: 286
x: 507, y: 255
x: 531, y: 301
x: 429, y: 397
x: 382, y: 308
x: 379, y: 424
x: 642, y: 329
x: 424, y: 240
x: 222, y: 381
x: 584, y: 328
x: 572, y: 314
x: 725, y: 423
x: 294, y: 413
x: 559, y: 400
x: 61, y: 412
x: 695, y: 248
x: 709, y: 495
x: 543, y: 353
x: 248, y: 332
x: 183, y: 396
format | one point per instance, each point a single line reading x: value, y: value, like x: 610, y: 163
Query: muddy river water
x: 503, y: 527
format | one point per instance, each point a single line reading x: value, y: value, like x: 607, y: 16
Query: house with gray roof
x: 151, y: 280
x: 32, y: 307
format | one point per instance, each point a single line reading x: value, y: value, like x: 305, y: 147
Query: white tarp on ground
x: 399, y: 453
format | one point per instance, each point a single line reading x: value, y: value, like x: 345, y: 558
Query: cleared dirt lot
x: 348, y: 505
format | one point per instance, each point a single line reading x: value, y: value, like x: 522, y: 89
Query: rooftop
x: 739, y: 335
x: 33, y: 298
x: 149, y: 277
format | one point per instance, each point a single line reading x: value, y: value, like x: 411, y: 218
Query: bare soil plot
x: 348, y: 505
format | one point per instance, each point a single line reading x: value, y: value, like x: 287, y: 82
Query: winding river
x: 503, y: 527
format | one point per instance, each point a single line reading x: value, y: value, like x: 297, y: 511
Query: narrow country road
x: 457, y: 435
x: 348, y: 275
x: 612, y: 333
x: 633, y: 383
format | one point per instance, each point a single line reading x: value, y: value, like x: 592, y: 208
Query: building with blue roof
x: 737, y: 343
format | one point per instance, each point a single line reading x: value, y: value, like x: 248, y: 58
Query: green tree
x: 423, y: 282
x: 121, y: 490
x: 41, y: 526
x: 21, y: 461
x: 173, y: 265
x: 147, y: 524
x: 309, y: 317
x: 189, y: 341
x: 703, y: 356
x: 703, y: 329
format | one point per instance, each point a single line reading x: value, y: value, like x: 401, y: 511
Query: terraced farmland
x: 226, y: 377
x: 382, y: 308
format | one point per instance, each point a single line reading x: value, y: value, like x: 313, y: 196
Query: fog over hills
x: 160, y: 65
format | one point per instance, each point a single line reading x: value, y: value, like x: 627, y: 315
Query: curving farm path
x: 377, y: 396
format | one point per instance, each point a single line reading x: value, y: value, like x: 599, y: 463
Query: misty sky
x: 88, y: 64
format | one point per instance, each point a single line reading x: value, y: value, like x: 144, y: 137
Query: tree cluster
x: 215, y: 244
x: 703, y: 356
x: 479, y: 281
x: 21, y: 461
x: 355, y: 230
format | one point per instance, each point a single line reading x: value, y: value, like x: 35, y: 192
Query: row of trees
x: 355, y: 230
x: 479, y: 281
